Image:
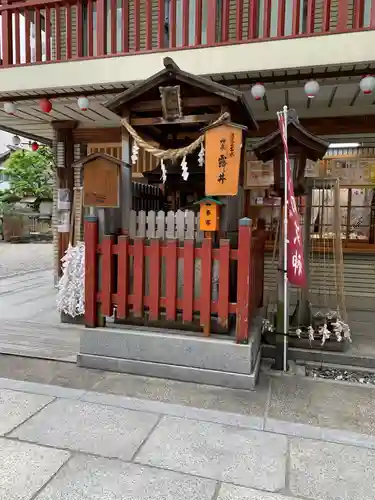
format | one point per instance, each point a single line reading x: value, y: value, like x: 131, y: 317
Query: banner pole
x: 285, y: 287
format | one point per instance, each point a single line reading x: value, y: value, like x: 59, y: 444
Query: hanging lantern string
x: 169, y: 154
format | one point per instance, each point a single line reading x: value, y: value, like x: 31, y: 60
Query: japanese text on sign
x: 295, y: 256
x: 223, y: 146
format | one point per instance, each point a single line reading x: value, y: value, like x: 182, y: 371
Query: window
x: 355, y: 214
x: 179, y: 22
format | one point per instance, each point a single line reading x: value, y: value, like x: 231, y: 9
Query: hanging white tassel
x: 325, y: 333
x: 135, y: 150
x: 71, y: 287
x: 184, y: 168
x: 310, y: 332
x: 337, y: 330
x: 346, y: 331
x: 201, y: 156
x: 163, y: 171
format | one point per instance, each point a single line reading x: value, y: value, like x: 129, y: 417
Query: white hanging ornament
x: 311, y: 88
x: 9, y: 108
x: 83, y: 103
x: 201, y: 156
x: 367, y: 84
x: 71, y: 287
x: 163, y: 171
x: 258, y: 91
x: 184, y: 168
x: 135, y: 150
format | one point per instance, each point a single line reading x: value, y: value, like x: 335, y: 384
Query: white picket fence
x: 182, y: 225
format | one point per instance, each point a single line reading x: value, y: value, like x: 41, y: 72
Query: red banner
x: 295, y: 255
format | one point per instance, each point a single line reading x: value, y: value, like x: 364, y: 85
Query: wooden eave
x: 173, y: 72
x: 102, y: 156
x: 315, y: 147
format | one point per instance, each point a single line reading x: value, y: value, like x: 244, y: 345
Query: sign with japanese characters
x: 223, y: 145
x: 295, y: 255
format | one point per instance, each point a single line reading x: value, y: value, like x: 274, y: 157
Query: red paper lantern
x: 34, y: 146
x: 45, y: 105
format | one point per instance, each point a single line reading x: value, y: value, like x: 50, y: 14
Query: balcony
x: 45, y: 31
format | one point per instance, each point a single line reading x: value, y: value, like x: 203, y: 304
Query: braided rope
x: 169, y: 154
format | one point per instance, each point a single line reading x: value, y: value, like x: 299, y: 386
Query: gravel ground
x: 23, y: 258
x: 359, y: 377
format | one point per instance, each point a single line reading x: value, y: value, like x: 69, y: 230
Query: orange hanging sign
x: 223, y: 147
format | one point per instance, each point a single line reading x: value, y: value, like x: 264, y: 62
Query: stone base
x: 214, y: 361
x: 77, y: 320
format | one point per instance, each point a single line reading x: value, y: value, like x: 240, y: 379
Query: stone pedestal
x: 215, y: 361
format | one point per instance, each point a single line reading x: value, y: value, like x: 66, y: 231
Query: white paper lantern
x: 257, y: 91
x: 83, y: 103
x: 311, y: 88
x: 367, y: 84
x: 16, y: 140
x: 10, y: 108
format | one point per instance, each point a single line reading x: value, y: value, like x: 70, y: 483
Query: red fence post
x: 188, y: 291
x: 223, y: 299
x: 139, y: 277
x: 243, y: 281
x: 122, y: 276
x: 154, y: 279
x: 206, y: 285
x: 91, y: 270
x: 106, y: 282
x: 171, y: 263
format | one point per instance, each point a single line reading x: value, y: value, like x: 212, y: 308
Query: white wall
x: 5, y: 139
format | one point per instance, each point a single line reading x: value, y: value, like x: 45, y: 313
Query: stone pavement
x: 90, y: 435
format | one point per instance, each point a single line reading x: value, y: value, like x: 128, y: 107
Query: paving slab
x: 230, y: 492
x: 88, y: 478
x: 16, y: 407
x: 350, y: 408
x: 331, y: 471
x: 25, y: 468
x: 103, y: 430
x: 221, y: 452
x: 187, y: 394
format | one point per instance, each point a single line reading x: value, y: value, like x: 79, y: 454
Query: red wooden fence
x: 58, y: 30
x: 116, y: 272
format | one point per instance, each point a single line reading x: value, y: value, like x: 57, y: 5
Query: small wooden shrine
x: 167, y: 116
x: 302, y: 146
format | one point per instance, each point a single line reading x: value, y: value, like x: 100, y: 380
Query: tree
x: 30, y: 173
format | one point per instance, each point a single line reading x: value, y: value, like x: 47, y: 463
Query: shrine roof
x: 315, y: 147
x: 103, y: 156
x: 235, y: 99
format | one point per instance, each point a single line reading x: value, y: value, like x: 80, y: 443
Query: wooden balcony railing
x: 37, y: 31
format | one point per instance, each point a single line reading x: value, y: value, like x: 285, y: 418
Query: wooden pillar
x: 91, y: 271
x: 126, y: 181
x: 244, y: 284
x: 64, y: 157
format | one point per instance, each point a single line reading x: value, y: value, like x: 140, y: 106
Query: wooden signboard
x: 223, y: 147
x: 101, y: 182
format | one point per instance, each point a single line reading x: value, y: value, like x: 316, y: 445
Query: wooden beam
x: 159, y: 120
x: 326, y: 125
x: 188, y: 102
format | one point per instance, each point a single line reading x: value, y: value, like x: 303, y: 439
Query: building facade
x: 54, y: 53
